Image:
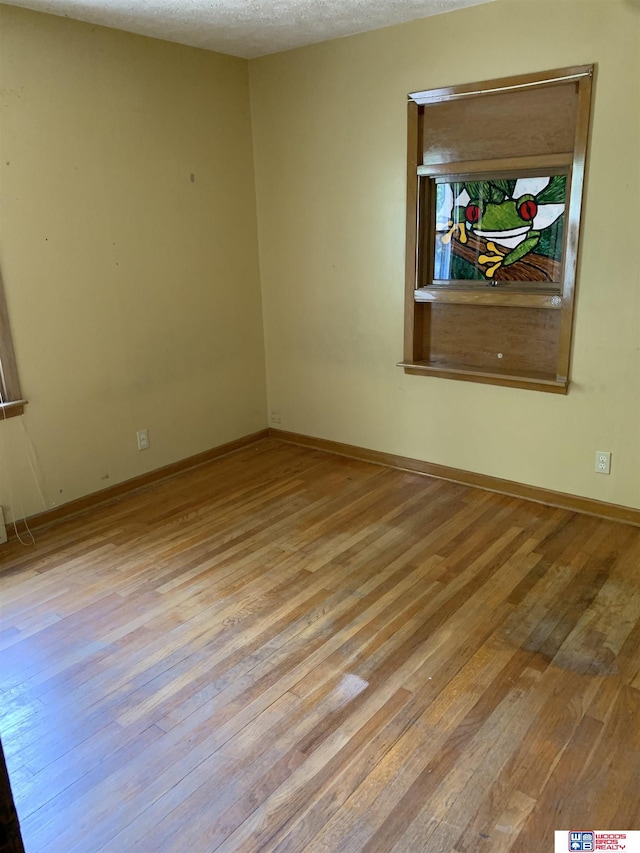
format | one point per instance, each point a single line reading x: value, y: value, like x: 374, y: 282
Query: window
x: 11, y: 402
x: 495, y: 178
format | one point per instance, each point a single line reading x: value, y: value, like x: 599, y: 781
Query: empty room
x: 319, y: 426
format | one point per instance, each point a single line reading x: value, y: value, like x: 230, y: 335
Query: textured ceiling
x: 246, y: 28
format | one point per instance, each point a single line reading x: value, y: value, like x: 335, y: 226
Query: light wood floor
x: 285, y: 650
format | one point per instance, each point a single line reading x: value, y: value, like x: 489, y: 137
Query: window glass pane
x: 500, y: 229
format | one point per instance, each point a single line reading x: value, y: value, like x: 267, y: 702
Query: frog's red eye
x: 528, y: 210
x: 472, y: 213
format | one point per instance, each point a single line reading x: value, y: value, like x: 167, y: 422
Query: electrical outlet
x: 143, y: 439
x: 603, y: 462
x: 3, y: 529
x: 275, y: 418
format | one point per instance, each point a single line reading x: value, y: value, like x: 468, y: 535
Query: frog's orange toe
x: 497, y: 250
x: 491, y: 271
x: 446, y: 238
x: 490, y: 259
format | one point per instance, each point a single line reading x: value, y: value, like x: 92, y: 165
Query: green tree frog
x: 510, y: 215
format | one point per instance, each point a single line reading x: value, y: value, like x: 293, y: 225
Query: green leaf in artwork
x: 462, y: 269
x: 507, y: 186
x: 479, y: 191
x: 496, y: 195
x: 555, y: 192
x: 551, y: 240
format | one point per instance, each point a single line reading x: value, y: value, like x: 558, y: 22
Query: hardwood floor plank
x: 273, y: 818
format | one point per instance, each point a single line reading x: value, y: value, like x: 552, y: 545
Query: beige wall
x: 133, y: 292
x: 330, y: 152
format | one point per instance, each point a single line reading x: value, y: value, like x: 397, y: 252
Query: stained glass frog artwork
x: 500, y: 228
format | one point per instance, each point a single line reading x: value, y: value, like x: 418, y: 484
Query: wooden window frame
x: 9, y: 381
x: 551, y: 298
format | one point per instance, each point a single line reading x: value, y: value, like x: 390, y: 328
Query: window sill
x: 511, y: 378
x: 484, y: 296
x: 12, y: 410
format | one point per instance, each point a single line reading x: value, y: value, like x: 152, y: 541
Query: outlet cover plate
x: 603, y: 461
